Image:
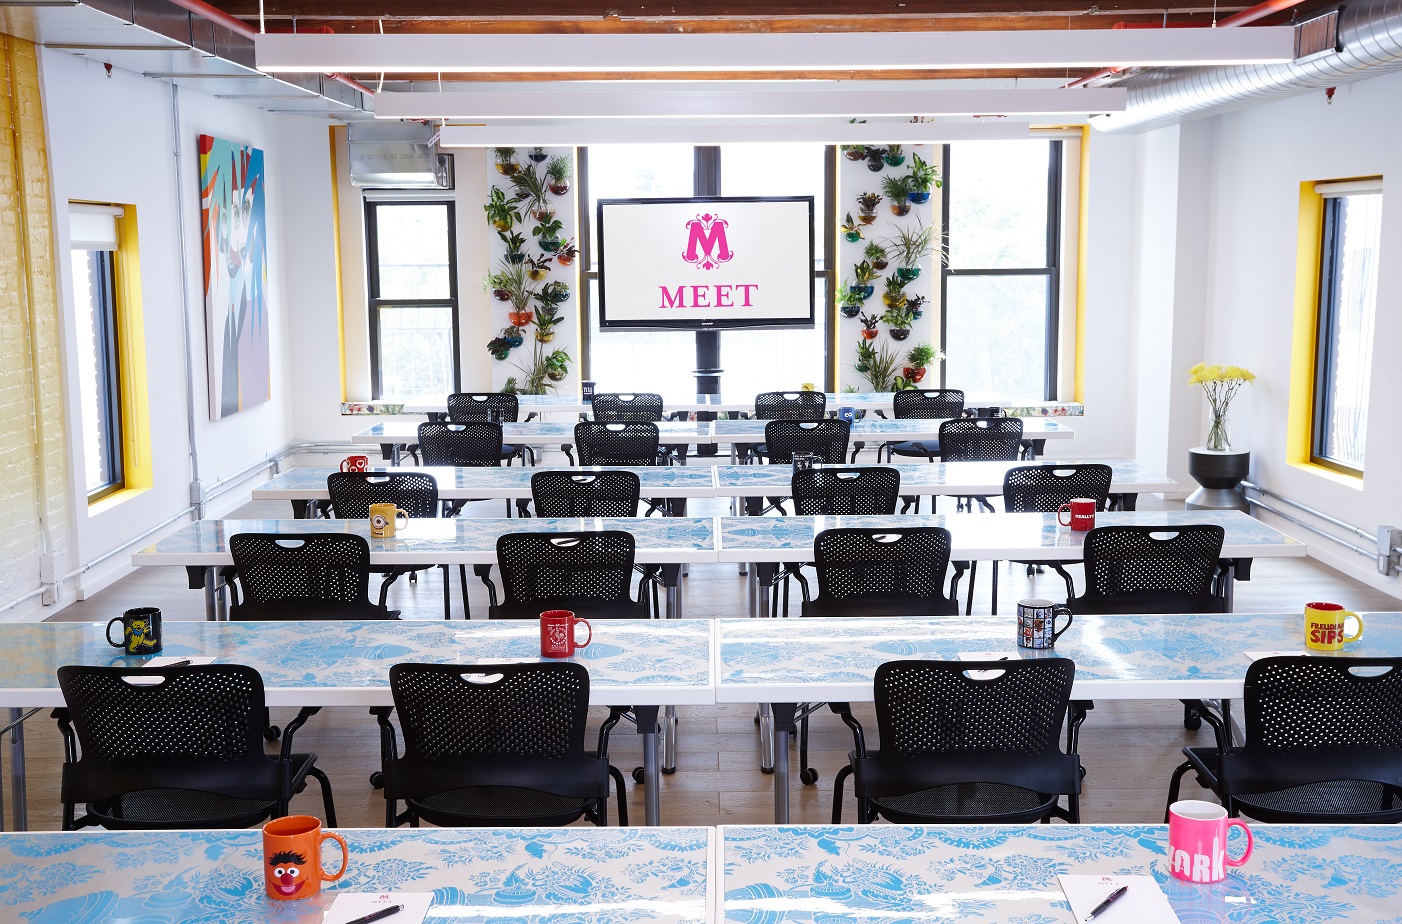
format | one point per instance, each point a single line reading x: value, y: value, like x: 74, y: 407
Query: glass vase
x: 1218, y: 437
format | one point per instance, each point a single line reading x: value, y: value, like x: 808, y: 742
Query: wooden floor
x: 1129, y: 748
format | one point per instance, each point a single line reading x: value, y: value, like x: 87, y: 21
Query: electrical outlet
x: 1389, y: 550
x: 51, y: 576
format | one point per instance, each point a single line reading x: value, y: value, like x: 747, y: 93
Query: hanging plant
x: 881, y: 366
x: 923, y: 178
x: 513, y: 336
x: 867, y: 202
x: 519, y: 318
x: 869, y: 322
x: 532, y: 190
x: 894, y: 295
x: 875, y: 158
x: 511, y: 280
x: 876, y: 254
x: 567, y: 252
x: 537, y: 155
x: 915, y: 304
x: 548, y: 234
x: 897, y: 190
x: 502, y: 212
x: 894, y: 155
x: 910, y: 247
x: 900, y: 321
x: 538, y: 267
x: 506, y: 161
x: 917, y: 358
x: 557, y: 365
x: 854, y: 151
x: 546, y: 320
x: 553, y: 293
x: 514, y: 242
x: 559, y: 170
x: 851, y: 230
x: 849, y: 301
x: 499, y: 347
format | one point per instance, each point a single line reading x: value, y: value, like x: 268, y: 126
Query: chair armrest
x: 70, y: 740
x: 795, y: 571
x: 290, y: 729
x: 389, y: 747
x: 229, y: 574
x: 485, y: 573
x: 859, y: 744
x: 615, y: 713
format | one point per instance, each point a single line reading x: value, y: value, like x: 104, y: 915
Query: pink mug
x: 1081, y: 511
x: 355, y: 464
x: 557, y: 635
x: 1197, y: 841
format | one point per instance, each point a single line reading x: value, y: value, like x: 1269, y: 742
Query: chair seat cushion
x: 915, y: 448
x: 179, y: 808
x: 1332, y: 801
x: 495, y: 804
x: 966, y: 802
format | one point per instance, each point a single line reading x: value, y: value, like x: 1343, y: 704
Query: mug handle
x: 588, y: 638
x: 1063, y: 508
x: 1061, y: 609
x: 345, y: 465
x: 1357, y: 635
x: 345, y: 855
x: 400, y: 513
x: 1250, y: 841
x: 108, y: 633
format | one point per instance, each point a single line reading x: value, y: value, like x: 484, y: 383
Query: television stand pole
x: 707, y: 377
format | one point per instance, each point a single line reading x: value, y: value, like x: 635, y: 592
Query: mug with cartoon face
x: 141, y: 631
x: 292, y: 857
x: 385, y: 520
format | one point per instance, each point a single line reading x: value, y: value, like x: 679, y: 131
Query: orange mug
x: 1081, y: 514
x: 355, y: 464
x: 557, y: 635
x: 1324, y: 626
x: 292, y: 857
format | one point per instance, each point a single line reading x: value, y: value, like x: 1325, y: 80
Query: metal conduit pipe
x: 1370, y: 34
x: 1310, y: 510
x: 1314, y: 529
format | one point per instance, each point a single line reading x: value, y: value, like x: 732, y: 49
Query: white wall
x: 113, y: 139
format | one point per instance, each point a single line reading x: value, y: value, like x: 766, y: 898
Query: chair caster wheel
x: 668, y: 771
x: 377, y: 780
x: 272, y: 733
x: 637, y: 774
x: 766, y: 769
x: 808, y: 776
x: 1192, y: 722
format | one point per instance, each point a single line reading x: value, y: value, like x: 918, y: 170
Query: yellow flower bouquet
x: 1220, y: 384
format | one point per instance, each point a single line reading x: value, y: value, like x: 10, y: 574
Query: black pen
x: 377, y: 915
x: 1109, y: 900
x: 179, y: 663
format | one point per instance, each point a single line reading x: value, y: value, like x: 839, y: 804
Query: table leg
x: 204, y: 578
x: 1129, y: 501
x: 652, y: 780
x: 783, y: 729
x: 17, y: 787
x: 669, y: 740
x: 766, y: 739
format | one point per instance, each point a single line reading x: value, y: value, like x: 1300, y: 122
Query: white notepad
x: 352, y: 905
x: 1258, y: 655
x: 1144, y: 903
x: 168, y: 660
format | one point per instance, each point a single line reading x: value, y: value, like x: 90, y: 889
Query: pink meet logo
x: 706, y: 243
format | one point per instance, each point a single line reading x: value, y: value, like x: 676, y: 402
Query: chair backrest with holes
x: 564, y: 493
x: 825, y: 438
x: 584, y: 572
x: 629, y: 443
x: 1152, y: 569
x: 1044, y: 488
x: 613, y: 407
x: 352, y: 493
x: 790, y: 405
x: 861, y: 491
x: 928, y: 404
x: 475, y: 443
x: 465, y: 405
x: 902, y: 569
x: 981, y: 439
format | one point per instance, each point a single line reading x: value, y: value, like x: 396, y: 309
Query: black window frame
x: 372, y: 258
x: 1051, y: 271
x: 1327, y: 309
x: 102, y: 270
x: 707, y: 175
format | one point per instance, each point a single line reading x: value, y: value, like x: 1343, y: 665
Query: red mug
x: 1082, y: 514
x: 557, y: 635
x: 355, y: 464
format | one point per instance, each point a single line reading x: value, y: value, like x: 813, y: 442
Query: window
x: 94, y: 234
x: 999, y: 287
x: 1348, y: 288
x: 412, y: 264
x: 753, y: 360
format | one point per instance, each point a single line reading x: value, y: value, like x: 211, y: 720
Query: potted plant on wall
x: 894, y: 294
x: 499, y: 347
x: 514, y: 243
x: 849, y: 301
x: 896, y: 186
x: 923, y: 178
x: 867, y: 203
x: 538, y: 267
x: 895, y: 155
x: 875, y: 158
x: 537, y: 154
x: 851, y: 230
x: 509, y: 284
x: 502, y: 212
x: 553, y: 293
x: 910, y: 247
x: 557, y: 365
x: 567, y: 252
x: 548, y: 234
x: 506, y: 161
x: 865, y: 274
x: 917, y: 358
x: 881, y: 366
x: 869, y: 322
x: 558, y: 171
x: 530, y: 187
x: 546, y: 320
x: 876, y: 254
x: 513, y: 336
x: 915, y: 304
x: 854, y: 151
x: 900, y: 321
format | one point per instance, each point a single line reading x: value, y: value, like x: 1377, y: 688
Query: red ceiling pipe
x: 238, y: 26
x: 1259, y: 11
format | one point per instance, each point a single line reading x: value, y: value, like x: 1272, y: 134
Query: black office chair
x: 301, y: 576
x: 564, y: 493
x: 630, y: 443
x: 416, y: 493
x: 1043, y: 489
x: 922, y: 404
x: 1153, y: 569
x: 474, y: 444
x: 499, y: 744
x: 1323, y: 744
x: 589, y: 573
x: 825, y: 439
x: 872, y: 572
x: 175, y: 747
x: 493, y: 407
x: 783, y: 405
x: 966, y: 742
x: 979, y: 439
x: 614, y: 407
x: 862, y: 491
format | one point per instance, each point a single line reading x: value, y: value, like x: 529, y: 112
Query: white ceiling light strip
x: 654, y: 132
x: 627, y: 102
x: 777, y: 52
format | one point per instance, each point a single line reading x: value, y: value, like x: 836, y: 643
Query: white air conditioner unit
x: 397, y: 155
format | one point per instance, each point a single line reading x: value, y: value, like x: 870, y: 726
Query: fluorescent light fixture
x: 626, y: 102
x: 604, y: 131
x: 785, y: 51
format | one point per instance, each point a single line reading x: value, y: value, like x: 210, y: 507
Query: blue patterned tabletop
x: 451, y: 541
x: 524, y: 875
x: 997, y: 536
x: 1200, y: 656
x: 884, y: 874
x: 630, y: 661
x: 504, y: 482
x: 533, y: 433
x: 939, y: 477
x: 873, y: 430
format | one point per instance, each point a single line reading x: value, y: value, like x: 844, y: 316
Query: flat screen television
x: 704, y: 263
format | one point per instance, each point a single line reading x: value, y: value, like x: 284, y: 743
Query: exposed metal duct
x: 1370, y: 34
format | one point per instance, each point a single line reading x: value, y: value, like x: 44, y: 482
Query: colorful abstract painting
x: 235, y: 275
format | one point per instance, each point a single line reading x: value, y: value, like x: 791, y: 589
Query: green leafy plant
x: 850, y: 301
x: 876, y: 254
x: 557, y: 365
x: 895, y: 155
x: 910, y: 246
x: 894, y: 295
x: 868, y: 201
x: 896, y: 186
x: 553, y: 293
x: 548, y: 230
x: 502, y: 213
x: 509, y: 387
x: 864, y: 273
x: 881, y: 365
x: 923, y: 176
x: 513, y: 241
x: 922, y: 354
x: 851, y: 229
x: 567, y: 252
x: 512, y: 279
x: 898, y: 318
x: 854, y: 151
x: 531, y: 188
x: 506, y: 161
x: 559, y: 168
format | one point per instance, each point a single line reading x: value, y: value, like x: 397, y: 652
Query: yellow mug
x: 808, y: 386
x: 1324, y: 626
x: 384, y: 520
